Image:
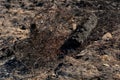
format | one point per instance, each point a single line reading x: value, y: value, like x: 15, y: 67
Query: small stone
x: 107, y: 36
x: 107, y: 58
x: 74, y: 26
x: 107, y: 65
x: 117, y: 76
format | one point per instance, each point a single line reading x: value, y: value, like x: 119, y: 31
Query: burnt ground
x: 59, y: 40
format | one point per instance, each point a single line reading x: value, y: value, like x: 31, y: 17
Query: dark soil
x: 59, y: 40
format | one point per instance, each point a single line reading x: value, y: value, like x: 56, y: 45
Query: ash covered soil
x: 59, y: 40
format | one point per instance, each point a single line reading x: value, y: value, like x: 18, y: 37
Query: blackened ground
x: 34, y: 32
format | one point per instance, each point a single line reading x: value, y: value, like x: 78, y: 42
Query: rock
x: 107, y: 65
x: 83, y: 30
x: 117, y: 76
x: 81, y: 33
x: 107, y: 36
x: 74, y: 26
